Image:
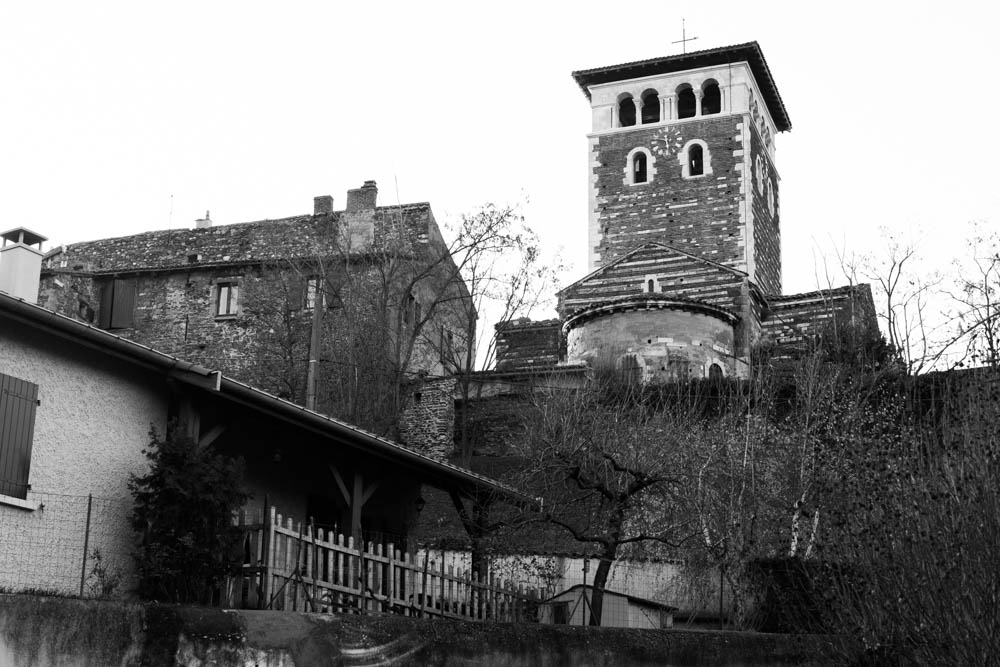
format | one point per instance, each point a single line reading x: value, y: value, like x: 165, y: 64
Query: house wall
x: 90, y: 429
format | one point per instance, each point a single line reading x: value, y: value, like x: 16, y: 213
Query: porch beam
x: 212, y: 435
x: 340, y: 484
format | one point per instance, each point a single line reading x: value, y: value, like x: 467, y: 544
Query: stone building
x: 370, y: 294
x: 684, y: 227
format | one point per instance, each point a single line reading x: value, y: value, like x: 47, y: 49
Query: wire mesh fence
x: 66, y: 544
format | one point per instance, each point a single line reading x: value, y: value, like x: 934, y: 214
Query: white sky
x: 251, y: 109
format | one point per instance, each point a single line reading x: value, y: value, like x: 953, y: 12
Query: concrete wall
x: 90, y: 430
x: 44, y: 632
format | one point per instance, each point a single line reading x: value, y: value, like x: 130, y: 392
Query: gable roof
x: 236, y: 244
x: 336, y: 431
x: 749, y: 52
x: 683, y: 277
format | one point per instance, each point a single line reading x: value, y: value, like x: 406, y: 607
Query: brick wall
x: 524, y: 345
x: 700, y: 215
x: 795, y: 318
x: 766, y: 216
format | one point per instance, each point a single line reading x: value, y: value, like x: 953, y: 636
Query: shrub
x: 183, y: 509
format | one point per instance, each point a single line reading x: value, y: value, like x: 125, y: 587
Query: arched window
x: 640, y: 166
x: 650, y: 285
x: 715, y: 372
x: 686, y: 104
x: 639, y: 173
x: 650, y: 107
x: 711, y: 98
x: 626, y: 112
x: 696, y: 161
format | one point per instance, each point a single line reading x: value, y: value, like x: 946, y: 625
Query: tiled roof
x: 241, y: 243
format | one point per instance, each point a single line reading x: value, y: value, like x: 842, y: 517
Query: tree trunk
x: 600, y: 581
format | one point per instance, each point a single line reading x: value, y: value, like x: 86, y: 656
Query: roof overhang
x: 749, y: 53
x: 436, y: 473
x: 648, y: 302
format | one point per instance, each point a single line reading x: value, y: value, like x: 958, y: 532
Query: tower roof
x: 749, y: 52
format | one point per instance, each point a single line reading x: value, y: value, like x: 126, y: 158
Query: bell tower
x: 682, y: 153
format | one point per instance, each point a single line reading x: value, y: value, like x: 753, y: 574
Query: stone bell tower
x: 682, y: 153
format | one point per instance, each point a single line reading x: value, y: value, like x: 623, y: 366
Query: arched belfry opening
x: 626, y: 112
x: 711, y: 98
x: 650, y: 107
x: 687, y: 105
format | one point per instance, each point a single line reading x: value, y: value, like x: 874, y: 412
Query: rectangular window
x: 447, y: 341
x: 227, y: 296
x: 18, y: 399
x: 117, y: 304
x: 314, y: 291
x: 560, y: 613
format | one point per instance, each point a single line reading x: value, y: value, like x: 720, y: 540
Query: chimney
x: 21, y: 263
x: 363, y: 198
x: 322, y: 205
x: 203, y: 223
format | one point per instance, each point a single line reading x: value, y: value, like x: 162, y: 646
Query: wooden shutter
x: 18, y: 399
x: 123, y: 306
x: 107, y: 298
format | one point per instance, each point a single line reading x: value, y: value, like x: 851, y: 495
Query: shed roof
x: 631, y: 598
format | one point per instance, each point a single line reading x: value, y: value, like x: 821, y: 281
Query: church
x: 684, y: 228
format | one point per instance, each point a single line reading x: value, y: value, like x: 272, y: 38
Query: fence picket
x: 337, y: 574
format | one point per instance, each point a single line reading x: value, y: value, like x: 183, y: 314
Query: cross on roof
x: 684, y: 38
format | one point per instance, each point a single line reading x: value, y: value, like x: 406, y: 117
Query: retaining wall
x: 69, y: 632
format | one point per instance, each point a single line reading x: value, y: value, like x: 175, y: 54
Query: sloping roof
x: 240, y: 243
x: 631, y: 598
x: 434, y: 472
x: 686, y: 280
x: 749, y: 52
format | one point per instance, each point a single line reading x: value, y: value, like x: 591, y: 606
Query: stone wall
x: 524, y: 345
x: 48, y: 632
x: 663, y: 344
x: 427, y: 422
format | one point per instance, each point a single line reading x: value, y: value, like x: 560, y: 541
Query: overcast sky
x: 119, y: 118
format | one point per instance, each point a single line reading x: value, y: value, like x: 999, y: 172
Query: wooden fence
x: 292, y: 566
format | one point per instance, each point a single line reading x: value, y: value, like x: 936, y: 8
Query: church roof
x: 682, y: 276
x: 749, y: 52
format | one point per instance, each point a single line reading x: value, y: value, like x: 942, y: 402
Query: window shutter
x: 123, y: 308
x: 107, y: 292
x: 18, y: 399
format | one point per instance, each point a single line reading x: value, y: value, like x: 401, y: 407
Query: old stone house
x: 367, y: 300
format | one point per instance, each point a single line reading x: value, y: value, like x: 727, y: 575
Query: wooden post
x: 423, y: 590
x: 86, y: 544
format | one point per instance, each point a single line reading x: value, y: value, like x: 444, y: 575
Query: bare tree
x: 977, y: 294
x: 613, y: 466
